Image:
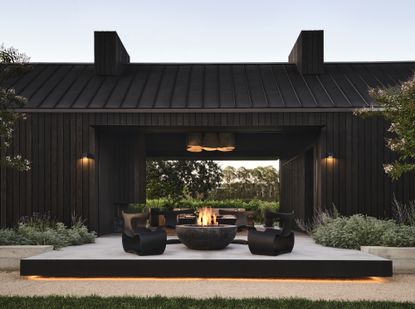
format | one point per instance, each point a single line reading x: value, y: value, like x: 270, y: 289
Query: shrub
x: 359, y: 230
x: 41, y: 230
x: 47, y: 236
x: 9, y: 237
x: 404, y: 213
x: 400, y: 236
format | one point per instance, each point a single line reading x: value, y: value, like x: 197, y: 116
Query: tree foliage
x: 397, y: 105
x: 12, y: 65
x: 176, y: 179
x: 258, y: 183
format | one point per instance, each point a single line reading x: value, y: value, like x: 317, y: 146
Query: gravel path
x: 398, y: 288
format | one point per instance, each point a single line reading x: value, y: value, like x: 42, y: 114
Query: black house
x: 91, y: 128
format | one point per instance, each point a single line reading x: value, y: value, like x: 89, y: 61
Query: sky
x: 210, y: 30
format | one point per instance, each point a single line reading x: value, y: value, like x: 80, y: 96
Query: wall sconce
x: 330, y: 157
x: 86, y: 156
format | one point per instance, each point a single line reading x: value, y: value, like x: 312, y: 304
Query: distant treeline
x: 179, y: 179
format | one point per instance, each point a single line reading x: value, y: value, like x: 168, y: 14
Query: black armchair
x: 169, y: 215
x: 273, y: 241
x: 285, y: 219
x: 140, y: 240
x: 244, y: 219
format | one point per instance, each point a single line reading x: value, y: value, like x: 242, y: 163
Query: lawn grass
x: 51, y: 302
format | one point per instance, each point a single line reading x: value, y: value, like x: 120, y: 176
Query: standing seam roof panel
x: 151, y: 90
x: 117, y: 96
x: 166, y: 87
x: 259, y: 97
x: 49, y: 85
x: 136, y: 88
x: 61, y: 89
x: 226, y: 87
x: 76, y: 88
x: 180, y: 91
x: 211, y: 91
x: 196, y: 86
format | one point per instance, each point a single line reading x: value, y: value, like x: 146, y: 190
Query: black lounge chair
x: 285, y: 220
x: 169, y: 215
x: 244, y: 219
x: 141, y: 240
x: 273, y: 241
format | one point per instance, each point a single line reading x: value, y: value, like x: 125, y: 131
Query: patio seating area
x: 106, y: 258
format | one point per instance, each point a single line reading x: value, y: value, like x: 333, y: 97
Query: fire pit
x: 206, y: 234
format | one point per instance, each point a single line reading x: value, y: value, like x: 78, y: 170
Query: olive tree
x: 12, y: 65
x: 397, y: 105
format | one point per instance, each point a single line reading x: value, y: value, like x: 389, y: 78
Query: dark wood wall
x: 297, y: 185
x: 60, y: 184
x: 121, y: 173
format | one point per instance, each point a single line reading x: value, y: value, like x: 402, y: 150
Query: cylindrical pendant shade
x: 194, y: 142
x: 226, y: 142
x: 194, y: 149
x: 210, y: 142
x: 197, y: 142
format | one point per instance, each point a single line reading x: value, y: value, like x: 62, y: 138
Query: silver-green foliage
x: 359, y: 230
x: 43, y: 231
x: 404, y: 213
x: 13, y: 64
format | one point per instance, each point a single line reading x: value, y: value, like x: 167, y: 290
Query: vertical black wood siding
x: 58, y: 183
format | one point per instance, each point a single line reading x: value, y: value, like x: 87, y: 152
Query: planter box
x: 403, y: 259
x: 10, y: 256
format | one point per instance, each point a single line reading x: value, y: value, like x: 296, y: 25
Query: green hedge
x: 359, y: 230
x: 254, y: 205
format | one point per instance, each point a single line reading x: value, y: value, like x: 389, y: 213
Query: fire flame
x: 206, y: 216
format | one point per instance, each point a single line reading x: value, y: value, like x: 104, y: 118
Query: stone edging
x: 10, y: 256
x: 403, y: 258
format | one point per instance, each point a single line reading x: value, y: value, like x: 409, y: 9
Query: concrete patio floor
x: 107, y: 258
x: 109, y: 247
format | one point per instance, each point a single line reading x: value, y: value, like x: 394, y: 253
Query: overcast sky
x: 210, y: 30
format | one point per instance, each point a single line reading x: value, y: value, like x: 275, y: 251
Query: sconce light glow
x: 330, y: 157
x: 86, y: 156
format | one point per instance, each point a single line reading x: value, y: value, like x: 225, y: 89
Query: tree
x: 258, y: 183
x: 12, y: 65
x: 176, y: 179
x: 397, y: 105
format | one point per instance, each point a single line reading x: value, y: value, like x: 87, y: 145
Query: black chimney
x: 308, y: 52
x: 110, y: 53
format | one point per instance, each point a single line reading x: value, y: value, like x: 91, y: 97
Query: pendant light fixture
x: 194, y: 142
x: 226, y: 142
x: 210, y: 142
x: 197, y: 142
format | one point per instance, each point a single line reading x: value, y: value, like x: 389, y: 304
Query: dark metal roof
x: 206, y: 86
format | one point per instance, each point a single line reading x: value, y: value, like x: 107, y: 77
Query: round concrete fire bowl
x: 207, y: 237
